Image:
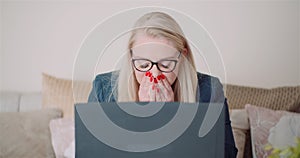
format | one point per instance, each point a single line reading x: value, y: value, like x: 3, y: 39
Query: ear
x: 184, y: 52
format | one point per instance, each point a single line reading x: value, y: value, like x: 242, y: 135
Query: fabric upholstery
x: 261, y: 121
x: 27, y: 134
x: 63, y: 93
x: 281, y: 98
x: 9, y: 101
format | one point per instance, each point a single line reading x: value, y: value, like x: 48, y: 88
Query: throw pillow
x: 27, y: 134
x: 61, y: 93
x: 62, y: 135
x: 240, y: 126
x: 261, y: 121
x: 284, y: 133
x: 280, y: 98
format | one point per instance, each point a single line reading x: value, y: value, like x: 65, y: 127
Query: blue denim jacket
x: 209, y: 88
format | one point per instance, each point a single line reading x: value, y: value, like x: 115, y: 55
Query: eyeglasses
x: 164, y: 65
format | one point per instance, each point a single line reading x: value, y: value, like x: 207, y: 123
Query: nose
x: 155, y: 72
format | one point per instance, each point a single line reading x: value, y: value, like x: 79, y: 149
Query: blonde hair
x: 158, y: 24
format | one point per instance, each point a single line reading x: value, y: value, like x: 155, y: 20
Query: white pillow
x: 239, y: 119
x: 70, y: 151
x: 62, y: 135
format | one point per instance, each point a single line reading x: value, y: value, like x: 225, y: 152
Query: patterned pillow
x: 59, y: 93
x: 239, y: 96
x: 261, y: 121
x: 285, y: 132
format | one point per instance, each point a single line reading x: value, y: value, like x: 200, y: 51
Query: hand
x: 164, y: 90
x: 146, y: 89
x: 155, y: 89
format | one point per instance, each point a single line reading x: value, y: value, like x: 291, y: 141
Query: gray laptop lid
x: 147, y: 130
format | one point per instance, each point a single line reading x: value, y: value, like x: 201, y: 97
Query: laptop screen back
x: 142, y: 130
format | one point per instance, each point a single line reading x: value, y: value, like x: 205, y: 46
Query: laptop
x: 149, y: 129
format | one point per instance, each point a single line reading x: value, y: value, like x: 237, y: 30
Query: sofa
x: 41, y: 124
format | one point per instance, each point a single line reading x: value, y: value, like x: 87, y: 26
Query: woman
x: 159, y: 66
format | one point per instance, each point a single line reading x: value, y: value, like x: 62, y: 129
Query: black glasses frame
x: 156, y: 63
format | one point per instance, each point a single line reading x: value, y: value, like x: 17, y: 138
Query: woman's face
x: 155, y: 49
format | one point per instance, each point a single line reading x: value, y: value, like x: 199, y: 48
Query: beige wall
x: 258, y: 40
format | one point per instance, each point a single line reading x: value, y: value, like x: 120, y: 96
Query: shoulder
x: 210, y: 88
x: 106, y: 79
x: 205, y: 78
x: 104, y: 84
x: 106, y: 76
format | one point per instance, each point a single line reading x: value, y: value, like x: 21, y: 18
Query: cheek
x: 139, y: 75
x: 171, y: 77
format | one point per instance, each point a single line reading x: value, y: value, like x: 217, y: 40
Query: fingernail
x: 158, y: 77
x: 151, y: 79
x: 157, y: 90
x: 163, y: 76
x: 155, y: 80
x: 153, y: 87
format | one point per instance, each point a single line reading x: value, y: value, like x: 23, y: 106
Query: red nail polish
x: 153, y: 87
x: 157, y: 90
x: 151, y: 79
x: 163, y: 76
x: 155, y: 80
x: 158, y: 77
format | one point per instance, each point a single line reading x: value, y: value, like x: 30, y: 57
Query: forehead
x: 153, y: 48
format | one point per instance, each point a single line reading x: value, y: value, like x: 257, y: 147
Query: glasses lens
x: 167, y: 65
x: 142, y: 65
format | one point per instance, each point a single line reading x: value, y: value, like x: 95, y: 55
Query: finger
x: 161, y: 89
x: 159, y: 95
x: 162, y: 95
x: 145, y: 83
x: 144, y: 87
x: 166, y: 89
x: 167, y: 95
x: 146, y: 78
x: 152, y: 93
x: 166, y: 84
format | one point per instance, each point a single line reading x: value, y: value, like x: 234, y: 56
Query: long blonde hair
x: 158, y: 24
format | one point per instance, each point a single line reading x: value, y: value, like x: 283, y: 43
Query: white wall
x: 258, y: 40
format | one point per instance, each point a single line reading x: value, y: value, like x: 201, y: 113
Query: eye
x: 144, y: 65
x: 165, y: 64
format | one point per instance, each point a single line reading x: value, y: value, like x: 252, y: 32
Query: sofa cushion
x: 27, y: 134
x: 63, y: 93
x: 239, y: 96
x: 9, y: 101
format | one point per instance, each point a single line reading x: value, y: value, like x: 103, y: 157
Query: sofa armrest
x: 30, y: 101
x: 9, y: 101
